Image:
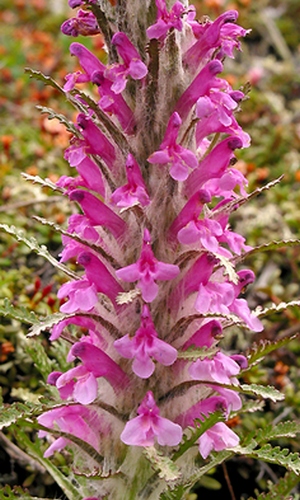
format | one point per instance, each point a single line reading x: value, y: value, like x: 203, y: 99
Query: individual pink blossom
x: 205, y: 336
x: 77, y: 420
x: 82, y: 296
x: 221, y: 368
x: 180, y: 159
x: 96, y: 142
x: 88, y: 62
x: 166, y: 20
x: 134, y: 192
x: 89, y: 176
x: 98, y: 213
x: 84, y: 24
x: 78, y: 383
x: 132, y: 64
x: 144, y: 346
x: 200, y: 86
x: 149, y: 426
x: 147, y: 270
x: 219, y: 437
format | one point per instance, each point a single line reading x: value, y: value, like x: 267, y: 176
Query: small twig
x: 228, y: 482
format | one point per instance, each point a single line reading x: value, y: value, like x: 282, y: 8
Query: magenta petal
x: 168, y: 433
x: 129, y: 273
x: 137, y: 69
x: 149, y: 290
x: 86, y: 389
x: 135, y: 432
x: 160, y: 157
x: 166, y: 271
x: 125, y: 346
x: 163, y: 352
x: 143, y: 367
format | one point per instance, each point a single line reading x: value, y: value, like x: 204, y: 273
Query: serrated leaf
x: 263, y: 391
x: 7, y: 309
x: 38, y: 75
x: 279, y: 456
x: 61, y: 118
x: 162, y: 464
x: 46, y: 323
x: 259, y: 350
x: 275, y: 308
x: 43, y: 182
x: 267, y: 247
x: 282, y: 429
x: 11, y: 414
x: 41, y: 250
x: 281, y: 489
x: 39, y: 357
x: 192, y: 353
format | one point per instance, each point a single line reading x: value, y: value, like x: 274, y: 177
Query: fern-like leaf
x: 263, y: 391
x: 281, y: 489
x: 276, y: 308
x: 287, y: 429
x: 7, y: 309
x: 41, y: 250
x: 279, y: 456
x: 259, y: 350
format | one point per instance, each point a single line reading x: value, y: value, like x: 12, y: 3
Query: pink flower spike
x: 145, y: 345
x: 147, y: 270
x: 134, y: 192
x: 219, y: 437
x: 166, y: 20
x: 180, y: 159
x: 99, y: 213
x: 149, y: 426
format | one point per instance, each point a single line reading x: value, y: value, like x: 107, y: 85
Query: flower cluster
x: 156, y: 182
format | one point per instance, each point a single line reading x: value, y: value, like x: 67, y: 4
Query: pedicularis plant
x: 142, y: 410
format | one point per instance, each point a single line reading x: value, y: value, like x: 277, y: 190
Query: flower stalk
x: 155, y: 252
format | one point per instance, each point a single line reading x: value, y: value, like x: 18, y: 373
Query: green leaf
x: 267, y: 247
x: 32, y: 243
x: 61, y: 118
x: 38, y: 75
x: 279, y: 456
x: 281, y: 489
x: 276, y: 308
x: 35, y: 179
x: 13, y: 413
x: 263, y: 391
x: 18, y: 313
x: 287, y: 429
x: 38, y: 355
x: 192, y: 353
x: 259, y: 350
x: 46, y: 323
x: 162, y: 464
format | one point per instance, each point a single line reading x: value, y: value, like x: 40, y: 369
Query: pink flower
x: 134, y: 192
x: 144, y: 346
x: 84, y: 24
x: 149, y: 426
x: 89, y: 63
x: 219, y: 437
x: 147, y: 270
x: 133, y: 65
x: 82, y: 296
x: 76, y: 420
x: 166, y: 20
x: 170, y: 153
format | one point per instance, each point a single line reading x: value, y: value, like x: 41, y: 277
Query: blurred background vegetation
x: 29, y: 142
